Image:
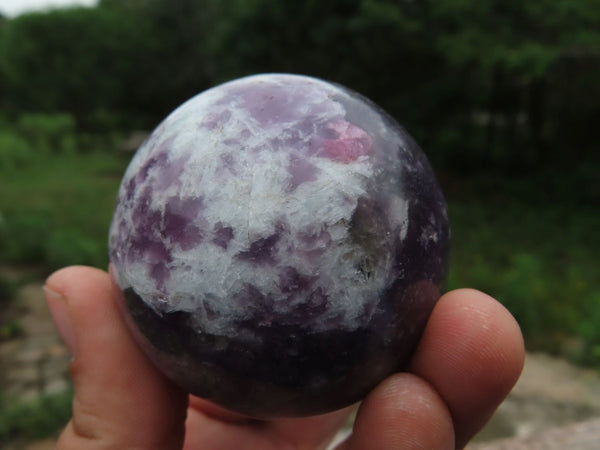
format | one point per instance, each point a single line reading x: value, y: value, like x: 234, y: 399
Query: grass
x: 37, y: 419
x: 538, y: 256
x: 56, y: 210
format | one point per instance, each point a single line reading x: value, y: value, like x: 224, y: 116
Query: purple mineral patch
x: 179, y: 219
x: 290, y: 280
x: 223, y: 235
x: 262, y: 251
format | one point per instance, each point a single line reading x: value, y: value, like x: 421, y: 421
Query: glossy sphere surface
x: 280, y: 242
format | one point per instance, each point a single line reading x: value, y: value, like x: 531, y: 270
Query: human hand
x: 469, y: 357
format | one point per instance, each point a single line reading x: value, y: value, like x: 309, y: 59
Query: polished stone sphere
x: 279, y: 242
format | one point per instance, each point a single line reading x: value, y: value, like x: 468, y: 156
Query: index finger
x: 472, y: 353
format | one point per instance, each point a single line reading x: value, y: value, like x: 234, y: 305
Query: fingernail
x: 59, y: 309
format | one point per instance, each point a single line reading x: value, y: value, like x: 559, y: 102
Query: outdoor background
x: 503, y: 96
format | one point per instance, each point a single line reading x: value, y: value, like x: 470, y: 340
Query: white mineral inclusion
x: 257, y: 174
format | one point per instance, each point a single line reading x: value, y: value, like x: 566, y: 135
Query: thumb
x: 121, y: 400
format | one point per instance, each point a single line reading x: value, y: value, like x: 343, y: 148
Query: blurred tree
x: 105, y: 65
x: 519, y: 57
x: 74, y: 60
x: 502, y: 84
x: 172, y: 65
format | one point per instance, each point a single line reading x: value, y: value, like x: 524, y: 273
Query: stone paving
x: 551, y: 393
x: 37, y: 362
x: 576, y: 436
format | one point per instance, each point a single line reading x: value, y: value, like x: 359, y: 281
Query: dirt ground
x: 555, y: 405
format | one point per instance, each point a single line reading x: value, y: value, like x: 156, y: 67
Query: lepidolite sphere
x: 280, y: 242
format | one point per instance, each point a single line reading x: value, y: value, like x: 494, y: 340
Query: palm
x: 208, y: 427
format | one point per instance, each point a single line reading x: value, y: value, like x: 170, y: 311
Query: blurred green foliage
x: 502, y: 86
x: 55, y: 209
x: 10, y: 329
x: 540, y: 261
x: 36, y: 419
x: 48, y: 132
x: 7, y: 292
x: 15, y: 152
